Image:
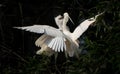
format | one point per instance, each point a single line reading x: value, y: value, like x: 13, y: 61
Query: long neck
x: 64, y: 26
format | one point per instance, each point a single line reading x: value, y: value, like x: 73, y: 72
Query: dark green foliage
x: 102, y: 41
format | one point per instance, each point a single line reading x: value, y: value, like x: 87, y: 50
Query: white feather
x: 48, y: 30
x: 81, y: 28
x: 59, y: 45
x: 72, y: 37
x: 59, y: 21
x: 53, y: 42
x: 55, y: 38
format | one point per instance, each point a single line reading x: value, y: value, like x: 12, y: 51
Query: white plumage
x: 59, y: 21
x: 73, y: 37
x: 41, y: 41
x: 50, y: 31
x: 56, y: 40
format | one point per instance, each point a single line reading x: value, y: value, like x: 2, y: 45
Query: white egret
x: 57, y: 36
x: 56, y: 40
x: 51, y: 39
x: 41, y: 41
x: 73, y: 43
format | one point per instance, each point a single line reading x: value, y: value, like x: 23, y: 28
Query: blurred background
x: 100, y: 44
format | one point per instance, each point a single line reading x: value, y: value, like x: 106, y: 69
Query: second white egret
x: 59, y: 40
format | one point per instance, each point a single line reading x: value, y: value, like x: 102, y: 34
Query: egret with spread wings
x: 61, y: 39
x: 79, y: 30
x: 41, y: 41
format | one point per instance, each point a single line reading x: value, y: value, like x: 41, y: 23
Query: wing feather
x: 44, y: 39
x: 81, y: 29
x: 49, y: 30
x: 55, y: 42
x: 56, y: 36
x: 56, y: 47
x: 60, y: 44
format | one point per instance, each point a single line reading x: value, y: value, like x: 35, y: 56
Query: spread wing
x: 81, y: 28
x: 84, y: 26
x: 49, y: 30
x: 57, y: 43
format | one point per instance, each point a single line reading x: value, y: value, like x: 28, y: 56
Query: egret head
x: 59, y: 17
x: 66, y: 14
x: 67, y: 17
